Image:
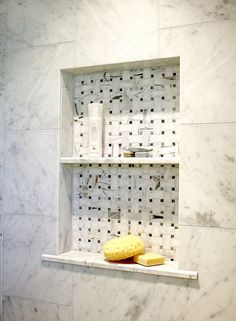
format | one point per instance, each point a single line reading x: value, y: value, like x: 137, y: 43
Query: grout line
x: 206, y: 226
x: 156, y: 306
x: 209, y: 123
x: 38, y: 301
x: 198, y: 23
x: 58, y: 128
x: 32, y: 130
x: 39, y: 46
x: 27, y: 214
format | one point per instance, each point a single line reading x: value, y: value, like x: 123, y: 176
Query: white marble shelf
x: 119, y: 160
x: 97, y: 260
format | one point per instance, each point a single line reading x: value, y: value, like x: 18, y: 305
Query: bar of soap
x: 149, y: 259
x: 121, y: 248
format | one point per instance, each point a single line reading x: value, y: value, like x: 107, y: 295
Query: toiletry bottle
x: 95, y: 117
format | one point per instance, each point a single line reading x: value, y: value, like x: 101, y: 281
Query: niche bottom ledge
x: 97, y: 260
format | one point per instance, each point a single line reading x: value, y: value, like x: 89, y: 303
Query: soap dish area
x: 97, y: 260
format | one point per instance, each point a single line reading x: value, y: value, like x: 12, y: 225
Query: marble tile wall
x: 116, y: 31
x: 3, y: 35
x: 40, y: 42
x: 120, y: 296
x: 43, y: 37
x: 28, y: 310
x: 203, y: 35
x: 36, y: 23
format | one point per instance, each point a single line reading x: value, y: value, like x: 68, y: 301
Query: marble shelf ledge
x: 97, y: 260
x: 119, y: 160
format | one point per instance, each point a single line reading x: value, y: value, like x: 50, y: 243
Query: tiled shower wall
x: 69, y: 34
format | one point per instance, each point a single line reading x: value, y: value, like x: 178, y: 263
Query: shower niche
x: 110, y: 196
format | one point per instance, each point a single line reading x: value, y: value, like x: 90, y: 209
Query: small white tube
x: 95, y: 117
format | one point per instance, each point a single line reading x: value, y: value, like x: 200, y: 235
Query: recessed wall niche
x: 114, y: 196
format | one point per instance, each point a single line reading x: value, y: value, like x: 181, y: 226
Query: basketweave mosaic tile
x: 141, y: 109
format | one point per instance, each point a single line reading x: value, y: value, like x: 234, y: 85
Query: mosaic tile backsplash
x: 141, y: 109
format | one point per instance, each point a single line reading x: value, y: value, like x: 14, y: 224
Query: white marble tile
x: 65, y: 210
x: 1, y: 135
x: 2, y: 81
x: 208, y: 175
x: 66, y: 148
x: 33, y: 86
x: 115, y: 31
x: 35, y: 23
x: 2, y: 100
x: 2, y: 70
x: 105, y: 295
x: 1, y: 185
x: 31, y: 172
x: 25, y: 239
x: 2, y: 78
x: 97, y: 260
x: 207, y: 73
x: 3, y: 6
x: 3, y: 31
x: 16, y: 309
x: 213, y: 297
x: 67, y: 114
x: 183, y: 12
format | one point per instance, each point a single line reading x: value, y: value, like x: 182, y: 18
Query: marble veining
x: 3, y: 6
x: 111, y: 32
x: 65, y: 210
x: 183, y: 12
x: 3, y: 27
x: 2, y: 100
x: 1, y: 185
x: 67, y: 111
x: 16, y: 308
x: 25, y: 239
x: 2, y: 67
x: 208, y: 175
x: 33, y: 86
x: 35, y: 23
x: 208, y: 77
x: 212, y: 252
x: 31, y: 172
x: 113, y: 294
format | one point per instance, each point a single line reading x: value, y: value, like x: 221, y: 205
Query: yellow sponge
x: 123, y: 247
x: 149, y: 259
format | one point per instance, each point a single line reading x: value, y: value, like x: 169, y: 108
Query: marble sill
x: 97, y: 260
x: 119, y: 160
